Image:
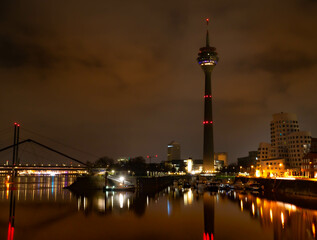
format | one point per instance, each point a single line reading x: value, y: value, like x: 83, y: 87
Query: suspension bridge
x: 23, y: 155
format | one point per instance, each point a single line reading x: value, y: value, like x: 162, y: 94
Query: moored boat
x: 119, y: 188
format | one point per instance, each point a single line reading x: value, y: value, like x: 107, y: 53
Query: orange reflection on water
x: 282, y: 219
x: 7, y: 191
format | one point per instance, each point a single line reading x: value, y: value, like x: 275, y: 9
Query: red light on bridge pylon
x: 15, y: 123
x: 147, y: 156
x: 156, y: 155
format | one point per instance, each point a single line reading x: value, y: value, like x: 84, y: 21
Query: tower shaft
x: 208, y: 149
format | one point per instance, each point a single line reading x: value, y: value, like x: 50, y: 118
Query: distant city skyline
x: 115, y: 79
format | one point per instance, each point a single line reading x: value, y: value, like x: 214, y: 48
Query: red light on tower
x: 15, y: 123
x: 156, y: 155
x: 148, y: 156
x: 207, y: 20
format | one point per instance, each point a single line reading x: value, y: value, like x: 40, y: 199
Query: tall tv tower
x: 208, y: 59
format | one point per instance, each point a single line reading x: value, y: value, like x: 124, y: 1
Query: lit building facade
x: 273, y: 168
x: 222, y: 156
x: 173, y: 151
x: 298, y: 144
x: 309, y: 165
x: 281, y: 126
x: 287, y: 142
x: 264, y: 151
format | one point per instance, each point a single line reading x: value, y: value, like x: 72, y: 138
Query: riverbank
x: 295, y: 187
x: 147, y: 184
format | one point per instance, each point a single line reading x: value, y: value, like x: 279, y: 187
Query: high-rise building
x: 173, y: 151
x: 264, y: 151
x: 281, y: 126
x: 208, y: 59
x: 222, y: 156
x: 298, y: 144
x: 287, y: 141
x: 313, y: 146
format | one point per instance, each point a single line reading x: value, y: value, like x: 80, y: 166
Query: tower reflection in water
x: 10, y: 188
x: 209, y: 216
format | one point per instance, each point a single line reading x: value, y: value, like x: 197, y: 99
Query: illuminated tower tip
x: 207, y: 34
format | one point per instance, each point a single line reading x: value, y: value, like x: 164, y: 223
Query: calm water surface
x: 44, y: 210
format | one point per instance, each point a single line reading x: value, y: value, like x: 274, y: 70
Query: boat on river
x: 238, y: 185
x: 119, y: 188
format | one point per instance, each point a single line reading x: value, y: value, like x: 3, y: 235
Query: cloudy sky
x: 120, y: 78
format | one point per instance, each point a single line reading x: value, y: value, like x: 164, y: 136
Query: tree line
x: 136, y: 165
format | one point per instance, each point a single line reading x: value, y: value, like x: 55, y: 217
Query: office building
x: 173, y: 151
x: 287, y: 142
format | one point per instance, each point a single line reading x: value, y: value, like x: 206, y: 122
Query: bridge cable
x: 44, y: 146
x: 65, y: 145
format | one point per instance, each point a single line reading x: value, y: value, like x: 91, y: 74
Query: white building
x: 287, y: 142
x: 298, y: 144
x: 264, y: 151
x: 281, y: 126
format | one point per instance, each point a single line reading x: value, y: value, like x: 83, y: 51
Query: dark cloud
x: 21, y: 54
x: 279, y: 60
x: 122, y: 77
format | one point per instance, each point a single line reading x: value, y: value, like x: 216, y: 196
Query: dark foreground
x: 44, y: 210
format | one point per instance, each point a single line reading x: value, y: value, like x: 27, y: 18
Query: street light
x: 122, y: 180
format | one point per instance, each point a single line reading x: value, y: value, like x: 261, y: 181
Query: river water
x: 42, y: 209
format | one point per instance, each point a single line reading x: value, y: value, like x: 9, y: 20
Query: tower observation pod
x: 208, y: 59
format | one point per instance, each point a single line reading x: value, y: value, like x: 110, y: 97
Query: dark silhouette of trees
x: 104, y: 162
x: 231, y: 169
x: 137, y: 165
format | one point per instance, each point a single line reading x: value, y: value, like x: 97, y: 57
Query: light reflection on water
x: 287, y: 220
x: 45, y: 210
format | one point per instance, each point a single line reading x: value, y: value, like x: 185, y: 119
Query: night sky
x: 120, y: 78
